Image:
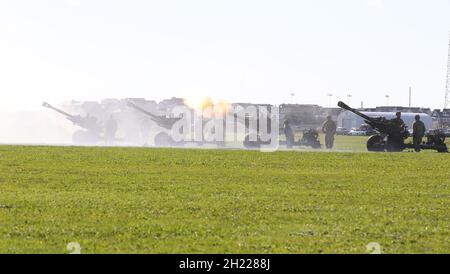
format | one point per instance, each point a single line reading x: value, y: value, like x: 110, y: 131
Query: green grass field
x: 134, y: 200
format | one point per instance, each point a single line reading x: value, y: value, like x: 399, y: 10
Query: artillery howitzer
x: 92, y: 129
x: 164, y: 138
x: 309, y: 138
x: 167, y: 123
x: 254, y: 122
x: 162, y: 121
x: 391, y: 136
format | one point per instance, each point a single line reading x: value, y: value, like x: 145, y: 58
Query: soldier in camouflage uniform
x: 418, y: 133
x: 329, y: 128
x: 398, y: 121
x: 289, y: 133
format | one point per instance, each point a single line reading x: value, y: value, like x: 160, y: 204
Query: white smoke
x: 35, y: 127
x: 48, y: 127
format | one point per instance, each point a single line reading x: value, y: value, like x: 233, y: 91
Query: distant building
x: 442, y: 118
x: 258, y: 107
x: 245, y: 105
x: 303, y: 116
x: 398, y: 108
x: 349, y: 120
x: 334, y: 112
x: 236, y: 107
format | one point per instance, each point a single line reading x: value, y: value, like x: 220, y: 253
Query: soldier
x: 398, y: 121
x: 329, y: 128
x: 418, y: 133
x: 111, y: 128
x: 288, y: 132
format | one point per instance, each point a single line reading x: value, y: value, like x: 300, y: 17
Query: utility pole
x: 330, y: 95
x: 447, y: 86
x: 409, y: 96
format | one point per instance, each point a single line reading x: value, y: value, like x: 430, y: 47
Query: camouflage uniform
x: 288, y: 132
x: 418, y: 133
x: 329, y: 128
x: 399, y: 123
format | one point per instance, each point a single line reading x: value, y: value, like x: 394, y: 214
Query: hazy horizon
x: 238, y: 51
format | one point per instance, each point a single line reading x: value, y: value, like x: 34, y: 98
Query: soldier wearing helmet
x: 329, y: 128
x: 289, y: 133
x: 398, y: 121
x: 418, y: 133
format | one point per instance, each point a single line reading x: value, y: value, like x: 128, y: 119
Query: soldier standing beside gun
x: 418, y: 133
x: 288, y: 132
x: 399, y: 121
x: 329, y: 128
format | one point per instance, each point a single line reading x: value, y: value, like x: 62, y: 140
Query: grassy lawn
x: 134, y: 200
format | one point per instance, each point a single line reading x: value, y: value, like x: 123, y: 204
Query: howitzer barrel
x: 89, y: 122
x: 133, y: 105
x: 160, y: 120
x: 47, y: 105
x: 346, y: 107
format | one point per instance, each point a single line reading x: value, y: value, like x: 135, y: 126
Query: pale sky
x: 236, y: 50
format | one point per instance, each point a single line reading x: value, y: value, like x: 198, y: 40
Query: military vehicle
x: 92, y: 131
x: 391, y: 138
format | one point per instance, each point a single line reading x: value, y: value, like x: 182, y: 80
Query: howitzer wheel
x: 316, y: 144
x: 440, y: 143
x: 436, y: 142
x: 163, y: 139
x: 310, y: 138
x: 442, y: 149
x: 376, y: 143
x: 393, y: 145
